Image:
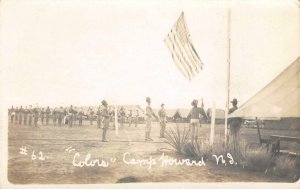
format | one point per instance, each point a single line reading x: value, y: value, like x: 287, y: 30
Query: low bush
x: 177, y: 138
x: 258, y: 159
x: 198, y: 149
x: 285, y: 166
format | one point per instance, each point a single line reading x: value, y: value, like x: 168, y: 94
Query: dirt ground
x: 58, y: 145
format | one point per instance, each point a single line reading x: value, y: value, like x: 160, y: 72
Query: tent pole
x: 228, y: 75
x: 212, y: 124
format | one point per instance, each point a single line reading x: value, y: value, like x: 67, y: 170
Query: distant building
x: 220, y: 116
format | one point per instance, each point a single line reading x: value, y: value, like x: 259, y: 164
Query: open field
x: 52, y: 142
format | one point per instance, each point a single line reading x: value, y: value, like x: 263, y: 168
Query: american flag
x: 183, y: 52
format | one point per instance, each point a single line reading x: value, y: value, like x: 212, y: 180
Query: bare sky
x: 80, y: 52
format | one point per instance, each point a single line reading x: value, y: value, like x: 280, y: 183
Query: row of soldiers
x: 25, y: 116
x: 59, y: 116
x: 122, y: 116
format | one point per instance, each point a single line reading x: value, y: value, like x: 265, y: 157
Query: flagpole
x: 228, y: 75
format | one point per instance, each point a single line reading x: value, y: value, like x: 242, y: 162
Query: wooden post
x: 228, y: 76
x: 258, y: 131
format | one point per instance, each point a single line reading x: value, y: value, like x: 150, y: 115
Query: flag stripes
x: 183, y: 52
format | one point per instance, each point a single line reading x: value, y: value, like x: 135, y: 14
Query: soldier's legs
x: 70, y: 120
x: 162, y: 129
x: 193, y: 131
x: 20, y: 120
x: 11, y: 119
x: 35, y: 121
x: 105, y: 128
x: 91, y: 121
x: 98, y: 122
x: 30, y: 120
x: 148, y: 129
x: 25, y: 120
x: 74, y: 120
x: 47, y: 119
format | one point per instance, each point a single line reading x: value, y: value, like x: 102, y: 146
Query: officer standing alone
x: 149, y: 115
x: 162, y: 120
x: 106, y: 119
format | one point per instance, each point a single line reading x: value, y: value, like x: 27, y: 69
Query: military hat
x: 194, y: 102
x: 148, y: 99
x: 104, y: 102
x: 234, y: 100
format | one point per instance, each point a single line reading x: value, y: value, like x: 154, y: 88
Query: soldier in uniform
x: 122, y: 117
x: 65, y: 119
x: 74, y: 115
x: 42, y: 116
x: 130, y: 118
x: 48, y: 112
x: 162, y: 120
x: 17, y: 115
x: 60, y: 114
x: 25, y: 113
x: 106, y: 119
x: 12, y: 114
x: 54, y: 116
x: 71, y: 114
x: 112, y: 118
x: 234, y: 125
x: 36, y: 116
x: 99, y: 117
x: 91, y: 116
x: 29, y: 115
x: 20, y: 115
x: 80, y: 116
x: 194, y: 117
x: 149, y: 115
x: 137, y: 118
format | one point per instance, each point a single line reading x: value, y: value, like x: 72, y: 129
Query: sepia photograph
x: 126, y: 93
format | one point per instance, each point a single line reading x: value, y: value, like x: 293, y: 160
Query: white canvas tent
x: 279, y: 99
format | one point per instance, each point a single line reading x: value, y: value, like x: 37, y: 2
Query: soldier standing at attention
x: 130, y: 117
x: 70, y: 120
x: 25, y: 115
x: 106, y: 119
x: 42, y: 116
x: 99, y: 117
x: 80, y: 116
x: 20, y: 115
x: 194, y: 117
x: 122, y: 117
x: 149, y: 115
x: 137, y: 118
x: 17, y: 115
x: 12, y: 114
x: 162, y: 120
x: 60, y: 115
x: 54, y: 116
x: 234, y: 125
x: 29, y: 115
x: 48, y: 112
x: 36, y: 116
x: 112, y: 118
x: 74, y: 115
x: 91, y: 116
